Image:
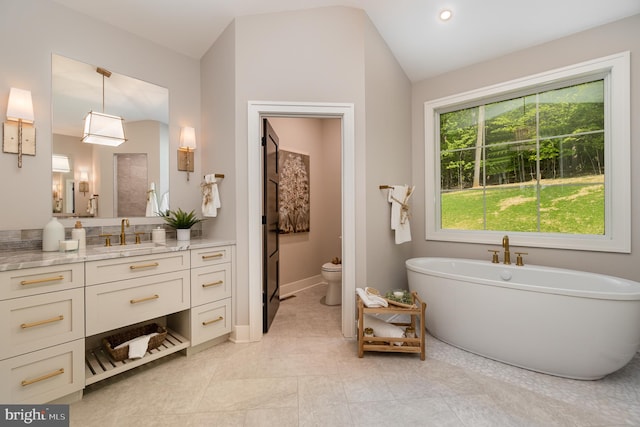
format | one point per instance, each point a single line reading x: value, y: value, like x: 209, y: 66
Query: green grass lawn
x: 567, y: 206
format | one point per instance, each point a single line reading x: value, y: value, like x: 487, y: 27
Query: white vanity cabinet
x: 131, y: 290
x: 212, y: 277
x: 42, y: 333
x: 53, y: 318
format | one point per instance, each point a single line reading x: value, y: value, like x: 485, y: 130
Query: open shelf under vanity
x: 99, y: 365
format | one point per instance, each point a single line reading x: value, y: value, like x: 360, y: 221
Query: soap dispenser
x: 78, y: 233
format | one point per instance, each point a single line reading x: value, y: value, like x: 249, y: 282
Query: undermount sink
x: 126, y: 248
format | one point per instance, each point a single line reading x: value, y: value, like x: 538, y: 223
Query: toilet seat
x: 329, y: 266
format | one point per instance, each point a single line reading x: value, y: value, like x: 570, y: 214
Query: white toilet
x: 332, y: 274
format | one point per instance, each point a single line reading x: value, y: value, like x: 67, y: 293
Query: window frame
x: 615, y: 69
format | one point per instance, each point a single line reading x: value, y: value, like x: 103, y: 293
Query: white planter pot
x: 184, y: 234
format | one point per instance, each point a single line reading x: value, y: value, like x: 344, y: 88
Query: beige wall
x: 602, y: 41
x: 218, y: 86
x: 30, y: 32
x: 388, y: 124
x: 322, y: 55
x: 302, y: 254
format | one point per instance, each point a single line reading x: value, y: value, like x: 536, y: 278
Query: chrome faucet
x: 123, y: 238
x: 507, y: 254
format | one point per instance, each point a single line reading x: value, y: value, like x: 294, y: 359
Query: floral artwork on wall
x: 294, y: 192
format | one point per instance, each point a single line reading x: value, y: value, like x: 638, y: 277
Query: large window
x: 545, y: 158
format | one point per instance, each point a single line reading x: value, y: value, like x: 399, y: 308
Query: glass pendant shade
x: 103, y: 129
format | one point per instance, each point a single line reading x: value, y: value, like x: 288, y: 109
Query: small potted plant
x: 182, y: 222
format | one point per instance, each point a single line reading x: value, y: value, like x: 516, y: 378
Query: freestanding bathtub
x: 556, y: 321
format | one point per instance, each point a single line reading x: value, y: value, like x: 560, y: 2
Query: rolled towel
x: 383, y: 329
x: 371, y: 300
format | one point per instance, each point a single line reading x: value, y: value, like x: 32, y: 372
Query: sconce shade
x: 188, y: 138
x: 60, y: 163
x: 103, y: 129
x: 20, y: 106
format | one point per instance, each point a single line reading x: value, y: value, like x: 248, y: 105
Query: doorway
x: 256, y: 111
x: 308, y: 220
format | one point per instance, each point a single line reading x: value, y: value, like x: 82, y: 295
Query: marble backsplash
x: 31, y: 239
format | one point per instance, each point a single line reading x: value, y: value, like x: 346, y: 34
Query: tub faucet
x: 507, y: 254
x: 123, y: 238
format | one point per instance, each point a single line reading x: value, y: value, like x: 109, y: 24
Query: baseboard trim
x: 289, y: 289
x: 240, y: 334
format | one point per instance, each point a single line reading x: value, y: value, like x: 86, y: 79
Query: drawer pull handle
x: 42, y: 322
x: 218, y: 255
x: 43, y: 280
x: 136, y: 267
x: 206, y: 285
x: 136, y: 301
x: 208, y: 322
x: 44, y: 377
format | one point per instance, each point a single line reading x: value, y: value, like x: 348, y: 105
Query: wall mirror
x: 92, y: 180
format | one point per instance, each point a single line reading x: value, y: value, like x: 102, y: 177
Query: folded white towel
x: 137, y: 346
x: 371, y: 300
x: 399, y: 198
x: 164, y: 203
x: 152, y: 201
x: 210, y: 196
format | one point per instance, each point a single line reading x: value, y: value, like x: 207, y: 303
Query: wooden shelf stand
x: 386, y: 344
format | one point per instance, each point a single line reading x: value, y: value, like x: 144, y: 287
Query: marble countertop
x: 27, y: 259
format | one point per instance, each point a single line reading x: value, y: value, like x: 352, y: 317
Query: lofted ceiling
x: 423, y: 45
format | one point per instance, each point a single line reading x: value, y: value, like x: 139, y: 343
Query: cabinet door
x: 114, y: 270
x: 32, y: 281
x: 209, y: 284
x: 210, y: 321
x: 113, y: 305
x: 44, y: 375
x: 39, y: 321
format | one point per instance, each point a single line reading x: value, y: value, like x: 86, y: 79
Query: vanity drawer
x: 209, y: 256
x: 113, y: 270
x: 39, y: 321
x: 210, y: 321
x: 43, y: 376
x: 31, y: 281
x: 209, y: 284
x: 113, y: 305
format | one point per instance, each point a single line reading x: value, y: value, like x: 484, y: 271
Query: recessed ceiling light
x: 445, y: 15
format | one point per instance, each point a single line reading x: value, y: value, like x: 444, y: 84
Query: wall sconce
x: 83, y: 185
x: 19, y: 133
x: 186, y: 148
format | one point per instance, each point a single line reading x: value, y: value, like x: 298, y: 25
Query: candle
x: 398, y: 294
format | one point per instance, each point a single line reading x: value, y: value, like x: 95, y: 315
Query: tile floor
x: 303, y: 373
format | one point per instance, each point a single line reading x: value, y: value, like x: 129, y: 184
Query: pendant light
x: 101, y: 128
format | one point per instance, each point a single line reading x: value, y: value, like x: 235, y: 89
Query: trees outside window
x: 529, y: 163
